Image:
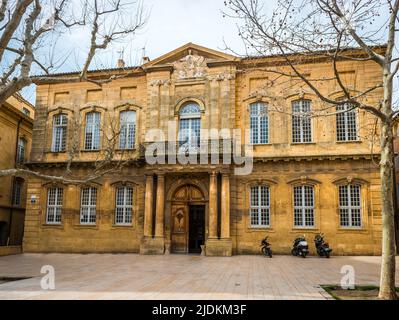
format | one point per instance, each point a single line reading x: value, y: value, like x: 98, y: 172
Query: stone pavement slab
x: 172, y: 277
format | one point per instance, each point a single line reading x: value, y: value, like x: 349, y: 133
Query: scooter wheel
x: 293, y: 252
x: 327, y: 255
x: 304, y: 255
x: 270, y: 254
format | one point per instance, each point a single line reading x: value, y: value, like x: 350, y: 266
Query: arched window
x: 346, y: 123
x: 304, y: 206
x: 260, y: 206
x: 190, y: 126
x: 60, y: 123
x: 259, y: 123
x: 301, y: 121
x: 92, y: 132
x: 21, y: 150
x: 128, y: 130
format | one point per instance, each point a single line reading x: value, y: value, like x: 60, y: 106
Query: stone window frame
x: 301, y: 102
x: 17, y: 189
x: 289, y: 99
x: 88, y: 223
x: 58, y: 109
x: 89, y: 108
x: 128, y: 106
x: 266, y: 104
x: 135, y: 206
x: 338, y: 96
x: 306, y: 181
x: 365, y: 205
x: 64, y: 129
x: 247, y: 102
x: 181, y: 104
x: 271, y: 184
x: 45, y: 216
x: 22, y: 150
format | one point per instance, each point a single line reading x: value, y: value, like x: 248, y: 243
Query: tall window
x: 17, y: 192
x: 190, y: 126
x: 54, y: 205
x: 304, y: 206
x: 259, y: 123
x: 350, y: 206
x: 260, y: 206
x: 21, y: 150
x: 88, y: 206
x: 301, y: 121
x: 124, y: 205
x: 128, y: 129
x: 346, y: 123
x: 60, y: 123
x: 92, y: 134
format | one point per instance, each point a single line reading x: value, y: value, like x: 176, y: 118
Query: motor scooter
x: 300, y: 247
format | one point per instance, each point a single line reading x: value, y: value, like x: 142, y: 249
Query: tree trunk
x: 387, y: 280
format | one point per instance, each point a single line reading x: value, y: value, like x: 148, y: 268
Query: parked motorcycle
x: 300, y: 247
x: 266, y: 250
x: 322, y: 247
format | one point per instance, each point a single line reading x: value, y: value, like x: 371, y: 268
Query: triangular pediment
x: 190, y: 49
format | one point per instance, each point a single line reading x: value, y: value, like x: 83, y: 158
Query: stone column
x: 148, y: 206
x: 225, y: 199
x: 213, y: 206
x: 160, y: 208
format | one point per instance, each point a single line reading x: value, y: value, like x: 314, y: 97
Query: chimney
x: 121, y: 63
x: 146, y: 60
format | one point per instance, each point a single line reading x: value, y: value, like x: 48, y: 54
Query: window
x: 26, y: 111
x: 260, y: 206
x: 304, y: 206
x: 92, y: 134
x: 190, y: 126
x: 124, y: 206
x: 346, y: 123
x: 17, y: 192
x: 349, y: 206
x: 259, y: 123
x: 88, y: 206
x: 128, y: 130
x: 54, y: 205
x: 301, y: 121
x: 60, y: 123
x: 21, y: 150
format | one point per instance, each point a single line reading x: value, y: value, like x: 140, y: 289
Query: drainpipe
x: 13, y: 182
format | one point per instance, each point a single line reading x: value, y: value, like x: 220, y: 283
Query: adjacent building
x: 16, y: 124
x: 310, y: 174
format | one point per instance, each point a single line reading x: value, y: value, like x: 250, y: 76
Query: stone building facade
x: 16, y: 124
x: 310, y: 174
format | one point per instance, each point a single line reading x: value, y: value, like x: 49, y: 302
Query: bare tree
x: 298, y: 30
x: 33, y: 41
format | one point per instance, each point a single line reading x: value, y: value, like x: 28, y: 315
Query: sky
x: 171, y: 24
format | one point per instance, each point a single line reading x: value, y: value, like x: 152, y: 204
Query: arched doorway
x: 188, y: 219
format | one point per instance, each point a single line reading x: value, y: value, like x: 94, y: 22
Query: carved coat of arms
x: 191, y: 66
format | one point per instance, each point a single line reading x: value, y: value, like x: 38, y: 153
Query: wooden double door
x: 188, y: 231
